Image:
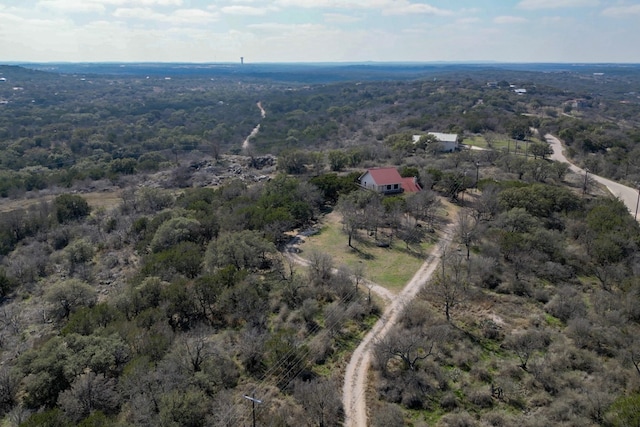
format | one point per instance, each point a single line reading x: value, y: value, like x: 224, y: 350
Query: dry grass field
x: 391, y: 267
x: 97, y: 200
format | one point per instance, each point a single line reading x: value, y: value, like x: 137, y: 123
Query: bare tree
x: 411, y: 232
x: 320, y: 401
x: 632, y: 351
x: 320, y: 267
x: 423, y: 205
x: 409, y: 345
x: 449, y: 286
x: 466, y: 229
x: 351, y: 220
x: 197, y: 348
x: 524, y: 344
x: 358, y: 274
x: 9, y: 384
x: 90, y: 392
x: 486, y: 205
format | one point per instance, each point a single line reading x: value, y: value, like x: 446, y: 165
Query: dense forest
x: 144, y: 241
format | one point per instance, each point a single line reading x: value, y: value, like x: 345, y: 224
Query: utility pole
x: 586, y: 177
x: 637, y: 203
x: 253, y: 407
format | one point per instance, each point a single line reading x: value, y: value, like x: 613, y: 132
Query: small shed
x: 448, y: 141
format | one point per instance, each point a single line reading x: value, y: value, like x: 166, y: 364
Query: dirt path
x: 262, y: 110
x: 355, y: 379
x: 630, y: 196
x: 254, y: 132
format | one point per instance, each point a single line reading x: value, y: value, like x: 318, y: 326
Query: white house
x: 382, y: 180
x: 448, y: 141
x: 388, y: 181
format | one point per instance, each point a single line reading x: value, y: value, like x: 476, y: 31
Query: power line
x: 300, y: 362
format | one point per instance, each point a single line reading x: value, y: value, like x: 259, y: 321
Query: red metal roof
x: 385, y: 176
x: 410, y: 185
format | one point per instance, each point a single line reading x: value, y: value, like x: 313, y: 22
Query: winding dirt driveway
x: 629, y: 195
x: 355, y: 378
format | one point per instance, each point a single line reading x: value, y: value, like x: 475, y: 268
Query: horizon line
x: 112, y: 62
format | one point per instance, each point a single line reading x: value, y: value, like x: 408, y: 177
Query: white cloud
x: 157, y: 2
x: 244, y: 10
x: 137, y: 12
x: 284, y: 28
x: 405, y: 8
x: 388, y: 7
x: 140, y: 2
x: 556, y: 4
x: 509, y: 20
x: 340, y: 18
x: 77, y: 6
x: 335, y: 4
x: 622, y: 11
x: 195, y: 16
x: 179, y: 16
x: 466, y: 21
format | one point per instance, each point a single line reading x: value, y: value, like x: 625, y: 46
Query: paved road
x: 628, y: 195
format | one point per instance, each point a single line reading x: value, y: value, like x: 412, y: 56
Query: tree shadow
x: 362, y: 254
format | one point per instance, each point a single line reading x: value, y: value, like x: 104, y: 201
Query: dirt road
x: 254, y: 132
x: 630, y: 196
x: 355, y: 379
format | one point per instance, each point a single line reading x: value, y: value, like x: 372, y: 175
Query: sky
x: 217, y: 31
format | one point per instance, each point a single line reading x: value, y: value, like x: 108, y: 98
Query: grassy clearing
x: 497, y: 142
x: 97, y: 200
x: 476, y: 141
x: 500, y: 143
x: 391, y: 267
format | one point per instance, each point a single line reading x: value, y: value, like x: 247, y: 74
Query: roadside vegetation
x: 143, y: 276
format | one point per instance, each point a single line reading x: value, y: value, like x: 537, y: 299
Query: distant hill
x: 323, y: 72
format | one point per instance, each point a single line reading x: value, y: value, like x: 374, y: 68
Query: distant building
x: 520, y: 91
x: 579, y: 104
x: 448, y: 141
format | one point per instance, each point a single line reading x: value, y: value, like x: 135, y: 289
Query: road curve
x: 355, y: 378
x: 630, y: 196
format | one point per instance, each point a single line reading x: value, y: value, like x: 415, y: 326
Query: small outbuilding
x: 448, y: 141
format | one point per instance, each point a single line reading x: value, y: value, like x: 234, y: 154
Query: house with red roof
x: 410, y: 185
x: 388, y: 181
